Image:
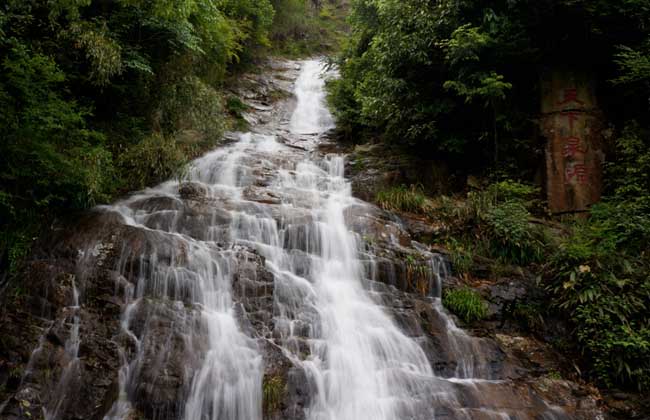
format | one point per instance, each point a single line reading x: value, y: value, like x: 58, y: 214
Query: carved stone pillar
x: 572, y: 125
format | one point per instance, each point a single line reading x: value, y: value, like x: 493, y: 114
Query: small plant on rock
x: 273, y: 390
x: 465, y: 303
x: 461, y: 256
x: 403, y: 198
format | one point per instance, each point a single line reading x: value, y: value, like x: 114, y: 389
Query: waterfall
x: 264, y: 220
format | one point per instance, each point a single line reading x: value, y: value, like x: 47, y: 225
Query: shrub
x: 497, y: 221
x: 273, y: 390
x: 512, y: 237
x: 154, y: 159
x: 628, y: 174
x: 191, y: 104
x: 304, y: 27
x: 510, y: 190
x: 467, y: 304
x: 461, y: 256
x: 236, y: 109
x: 599, y: 277
x: 418, y: 275
x: 402, y: 198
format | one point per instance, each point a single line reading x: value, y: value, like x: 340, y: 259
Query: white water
x: 360, y: 364
x: 311, y: 115
x: 62, y: 392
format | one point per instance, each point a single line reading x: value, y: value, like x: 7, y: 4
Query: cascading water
x: 360, y: 364
x: 277, y: 201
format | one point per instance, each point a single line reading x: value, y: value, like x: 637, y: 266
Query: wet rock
x: 171, y: 339
x: 261, y: 195
x: 192, y: 191
x: 160, y: 203
x: 253, y: 287
x: 294, y: 392
x: 422, y: 230
x: 49, y: 370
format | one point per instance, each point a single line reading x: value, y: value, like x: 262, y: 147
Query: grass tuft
x: 465, y: 303
x: 403, y: 198
x: 273, y: 389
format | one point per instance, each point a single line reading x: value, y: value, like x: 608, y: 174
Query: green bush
x: 236, y: 109
x: 600, y: 278
x: 403, y: 198
x: 496, y: 220
x: 511, y: 236
x: 461, y: 256
x: 48, y: 156
x: 467, y: 304
x: 306, y: 27
x: 190, y: 104
x: 273, y: 389
x: 628, y: 172
x: 154, y: 159
x: 510, y: 190
x: 16, y: 243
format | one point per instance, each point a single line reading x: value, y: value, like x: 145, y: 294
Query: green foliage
x: 235, y: 106
x: 403, y: 198
x: 600, y: 274
x: 104, y: 54
x: 191, y: 104
x: 628, y: 174
x: 418, y: 274
x: 512, y: 237
x: 152, y: 160
x: 496, y: 221
x: 606, y: 294
x: 460, y: 255
x: 236, y: 109
x: 634, y: 66
x: 422, y: 73
x: 49, y: 158
x: 307, y: 27
x: 273, y: 389
x: 16, y: 244
x: 510, y: 190
x: 467, y: 304
x: 99, y: 98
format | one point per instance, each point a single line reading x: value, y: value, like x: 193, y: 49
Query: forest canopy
x: 448, y: 77
x: 103, y: 97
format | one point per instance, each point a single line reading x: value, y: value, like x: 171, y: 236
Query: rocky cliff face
x: 114, y: 314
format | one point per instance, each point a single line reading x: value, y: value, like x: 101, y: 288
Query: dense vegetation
x: 452, y: 78
x: 458, y: 81
x: 99, y: 97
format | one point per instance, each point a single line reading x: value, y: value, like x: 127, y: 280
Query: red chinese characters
x: 571, y: 97
x: 576, y: 171
x: 573, y: 149
x: 573, y: 116
x: 572, y: 125
x: 572, y: 146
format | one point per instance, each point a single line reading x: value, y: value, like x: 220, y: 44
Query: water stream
x: 282, y: 203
